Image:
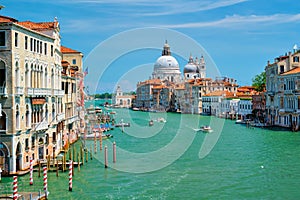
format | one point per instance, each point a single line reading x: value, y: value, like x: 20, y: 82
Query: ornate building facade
x: 31, y: 94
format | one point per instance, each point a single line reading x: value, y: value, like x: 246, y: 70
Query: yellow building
x: 31, y: 95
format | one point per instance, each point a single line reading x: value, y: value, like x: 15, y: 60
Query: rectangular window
x: 34, y: 45
x: 31, y: 44
x: 281, y: 69
x: 37, y: 46
x: 45, y: 48
x: 296, y: 59
x: 51, y: 50
x: 26, y: 42
x: 74, y: 61
x: 2, y: 38
x: 41, y: 47
x: 16, y: 39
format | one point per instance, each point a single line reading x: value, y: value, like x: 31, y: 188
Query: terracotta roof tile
x: 292, y: 71
x: 67, y: 50
x: 4, y: 19
x: 39, y: 25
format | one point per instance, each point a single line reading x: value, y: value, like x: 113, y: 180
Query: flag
x: 86, y: 71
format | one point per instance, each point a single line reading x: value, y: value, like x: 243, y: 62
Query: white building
x: 166, y: 67
x: 121, y: 100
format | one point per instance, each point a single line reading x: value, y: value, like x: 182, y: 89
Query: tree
x: 259, y: 82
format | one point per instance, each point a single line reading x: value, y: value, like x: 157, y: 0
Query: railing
x: 72, y: 119
x: 19, y: 90
x: 3, y: 90
x: 288, y: 91
x: 39, y: 91
x: 40, y: 126
x: 60, y: 117
x: 56, y: 92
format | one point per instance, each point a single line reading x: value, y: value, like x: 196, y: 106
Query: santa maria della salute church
x: 169, y: 90
x: 167, y: 68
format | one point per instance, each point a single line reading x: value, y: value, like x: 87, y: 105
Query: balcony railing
x: 288, y: 92
x: 3, y: 90
x: 72, y: 119
x: 56, y: 92
x: 40, y: 126
x: 60, y: 117
x: 39, y: 92
x: 19, y: 90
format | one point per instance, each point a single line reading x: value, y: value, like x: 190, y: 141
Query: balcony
x: 270, y: 93
x: 3, y: 91
x: 56, y: 92
x: 19, y: 90
x: 288, y: 92
x: 39, y: 92
x: 72, y: 119
x: 40, y: 126
x: 60, y: 117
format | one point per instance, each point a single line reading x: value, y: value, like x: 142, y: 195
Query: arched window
x: 27, y: 116
x: 46, y: 113
x: 52, y: 79
x: 3, y: 121
x: 46, y: 78
x: 32, y: 77
x: 2, y: 78
x: 53, y: 112
x: 17, y: 75
x: 17, y: 117
x: 121, y: 101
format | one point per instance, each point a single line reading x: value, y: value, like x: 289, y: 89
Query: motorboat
x: 239, y: 121
x: 151, y: 122
x: 96, y: 136
x: 206, y: 129
x: 161, y: 119
x: 122, y: 124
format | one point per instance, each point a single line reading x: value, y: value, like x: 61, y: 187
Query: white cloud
x: 233, y: 21
x: 193, y: 6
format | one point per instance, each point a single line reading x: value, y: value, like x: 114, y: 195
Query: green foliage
x: 103, y: 96
x: 259, y: 82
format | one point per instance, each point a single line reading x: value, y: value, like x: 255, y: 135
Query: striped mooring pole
x: 31, y: 172
x: 15, y: 188
x: 70, y: 176
x: 45, y: 180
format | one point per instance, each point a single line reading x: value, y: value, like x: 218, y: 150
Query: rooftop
x: 64, y: 49
x: 292, y: 71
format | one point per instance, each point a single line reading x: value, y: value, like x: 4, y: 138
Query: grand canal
x: 163, y: 162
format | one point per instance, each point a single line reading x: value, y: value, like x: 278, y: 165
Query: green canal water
x: 172, y: 161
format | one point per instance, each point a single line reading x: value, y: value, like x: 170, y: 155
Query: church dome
x: 190, y: 68
x: 166, y: 62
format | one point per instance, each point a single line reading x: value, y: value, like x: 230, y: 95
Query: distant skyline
x: 239, y: 35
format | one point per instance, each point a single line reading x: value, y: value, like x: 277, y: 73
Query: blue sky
x: 239, y: 35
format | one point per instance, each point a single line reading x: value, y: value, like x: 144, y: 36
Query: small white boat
x: 239, y: 121
x: 122, y: 124
x: 206, y: 129
x: 161, y: 119
x: 151, y: 122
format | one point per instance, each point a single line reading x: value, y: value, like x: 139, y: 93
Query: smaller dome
x: 190, y: 68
